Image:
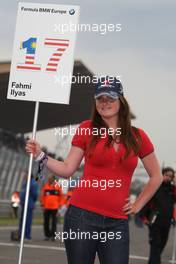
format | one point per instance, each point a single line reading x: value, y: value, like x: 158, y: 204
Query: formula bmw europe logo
x: 72, y: 11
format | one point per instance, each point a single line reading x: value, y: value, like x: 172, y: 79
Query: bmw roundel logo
x: 72, y: 11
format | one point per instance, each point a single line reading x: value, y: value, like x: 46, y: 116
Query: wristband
x: 40, y: 156
x: 41, y: 166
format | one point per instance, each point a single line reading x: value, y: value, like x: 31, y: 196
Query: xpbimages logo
x: 102, y: 236
x: 101, y: 184
x: 102, y: 132
x: 93, y: 28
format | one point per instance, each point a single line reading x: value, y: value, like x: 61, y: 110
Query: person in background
x: 158, y: 214
x: 51, y: 200
x: 33, y: 194
x: 15, y: 202
x: 68, y: 196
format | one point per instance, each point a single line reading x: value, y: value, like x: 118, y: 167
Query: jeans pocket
x: 123, y: 228
x: 120, y: 228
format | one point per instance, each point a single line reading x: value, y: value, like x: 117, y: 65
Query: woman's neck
x: 112, y: 122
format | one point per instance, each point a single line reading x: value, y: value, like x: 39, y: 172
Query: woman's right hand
x: 33, y: 147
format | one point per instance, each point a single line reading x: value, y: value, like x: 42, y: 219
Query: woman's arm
x: 64, y: 168
x: 152, y: 167
x: 67, y: 167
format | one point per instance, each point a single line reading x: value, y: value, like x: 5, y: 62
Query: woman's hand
x: 129, y: 208
x: 33, y: 147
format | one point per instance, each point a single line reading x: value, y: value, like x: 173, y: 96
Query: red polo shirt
x: 105, y: 183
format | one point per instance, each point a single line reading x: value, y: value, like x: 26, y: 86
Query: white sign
x: 42, y: 62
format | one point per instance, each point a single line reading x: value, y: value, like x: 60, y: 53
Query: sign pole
x: 28, y: 184
x: 38, y: 53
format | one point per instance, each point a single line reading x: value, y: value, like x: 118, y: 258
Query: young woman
x: 97, y: 218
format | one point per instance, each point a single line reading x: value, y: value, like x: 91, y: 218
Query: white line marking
x: 32, y: 246
x: 138, y: 257
x: 63, y: 249
x: 16, y: 227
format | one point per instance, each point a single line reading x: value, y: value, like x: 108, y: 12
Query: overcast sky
x: 143, y: 53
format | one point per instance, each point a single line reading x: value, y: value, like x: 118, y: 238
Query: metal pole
x: 28, y: 184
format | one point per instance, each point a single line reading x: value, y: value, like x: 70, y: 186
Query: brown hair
x: 167, y: 169
x: 130, y: 136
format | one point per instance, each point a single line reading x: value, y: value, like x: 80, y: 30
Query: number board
x: 42, y: 61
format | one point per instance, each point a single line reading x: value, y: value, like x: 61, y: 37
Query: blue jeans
x: 89, y: 233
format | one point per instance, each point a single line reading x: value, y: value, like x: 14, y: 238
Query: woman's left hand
x: 129, y: 208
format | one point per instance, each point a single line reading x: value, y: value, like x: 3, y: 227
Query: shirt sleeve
x: 79, y: 139
x: 146, y: 145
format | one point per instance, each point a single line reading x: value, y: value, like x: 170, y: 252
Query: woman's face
x: 107, y: 107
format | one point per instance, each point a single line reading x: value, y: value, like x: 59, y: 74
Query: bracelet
x: 40, y: 156
x: 41, y: 165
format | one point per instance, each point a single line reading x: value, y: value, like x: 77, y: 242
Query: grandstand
x: 16, y: 120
